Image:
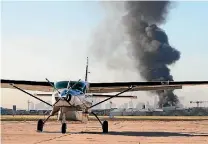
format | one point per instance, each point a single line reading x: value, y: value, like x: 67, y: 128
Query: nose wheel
x: 40, y: 125
x: 63, y: 128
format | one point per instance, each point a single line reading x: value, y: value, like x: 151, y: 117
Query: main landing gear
x: 63, y: 127
x: 105, y: 127
x: 104, y: 124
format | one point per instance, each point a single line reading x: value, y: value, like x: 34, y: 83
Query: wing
x: 28, y: 85
x: 106, y: 87
x: 142, y: 86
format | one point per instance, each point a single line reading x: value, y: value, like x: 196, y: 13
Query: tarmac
x: 120, y: 132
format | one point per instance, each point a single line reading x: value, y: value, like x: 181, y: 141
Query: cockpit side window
x: 84, y: 89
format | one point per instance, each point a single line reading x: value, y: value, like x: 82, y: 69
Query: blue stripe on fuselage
x: 73, y: 92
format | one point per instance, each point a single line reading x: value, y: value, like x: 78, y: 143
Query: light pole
x: 28, y: 104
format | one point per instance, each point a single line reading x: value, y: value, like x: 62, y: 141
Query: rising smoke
x: 149, y: 45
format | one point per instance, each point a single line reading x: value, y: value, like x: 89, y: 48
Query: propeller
x: 68, y: 95
x: 53, y: 86
x: 69, y: 87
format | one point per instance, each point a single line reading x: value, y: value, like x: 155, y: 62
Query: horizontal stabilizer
x: 43, y: 94
x: 107, y: 96
x: 92, y: 95
x: 137, y: 88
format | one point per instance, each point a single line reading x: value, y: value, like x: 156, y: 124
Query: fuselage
x: 72, y: 95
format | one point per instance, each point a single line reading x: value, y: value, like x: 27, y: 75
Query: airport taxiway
x: 122, y: 132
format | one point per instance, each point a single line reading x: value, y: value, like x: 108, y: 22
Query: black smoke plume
x: 150, y: 45
x: 134, y: 26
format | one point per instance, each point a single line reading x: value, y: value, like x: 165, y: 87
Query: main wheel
x: 40, y: 125
x: 105, y: 127
x: 63, y: 128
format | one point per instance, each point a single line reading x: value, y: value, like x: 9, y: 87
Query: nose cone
x: 66, y: 94
x: 70, y: 91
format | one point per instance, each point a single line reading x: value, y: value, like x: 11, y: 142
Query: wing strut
x: 112, y: 96
x: 30, y: 94
x: 53, y: 86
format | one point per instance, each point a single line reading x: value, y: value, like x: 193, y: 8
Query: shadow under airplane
x: 147, y: 134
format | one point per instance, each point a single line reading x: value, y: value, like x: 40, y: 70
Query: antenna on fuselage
x: 86, y: 73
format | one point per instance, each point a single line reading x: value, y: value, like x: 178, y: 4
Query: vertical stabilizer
x: 86, y: 73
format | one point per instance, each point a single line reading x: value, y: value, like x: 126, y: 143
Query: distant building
x: 131, y: 105
x: 139, y: 105
x: 32, y: 106
x: 125, y: 105
x: 107, y: 106
x: 42, y: 106
x: 96, y: 100
x: 14, y: 108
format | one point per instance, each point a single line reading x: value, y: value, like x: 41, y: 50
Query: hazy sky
x: 51, y: 39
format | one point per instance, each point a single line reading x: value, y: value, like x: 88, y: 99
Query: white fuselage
x: 73, y: 108
x: 77, y: 100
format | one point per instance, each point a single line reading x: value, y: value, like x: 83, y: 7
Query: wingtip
x: 12, y: 84
x: 134, y: 97
x: 132, y: 86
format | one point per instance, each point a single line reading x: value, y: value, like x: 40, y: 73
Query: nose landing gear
x: 63, y: 128
x: 40, y: 125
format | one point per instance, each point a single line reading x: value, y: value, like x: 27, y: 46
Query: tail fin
x: 86, y: 73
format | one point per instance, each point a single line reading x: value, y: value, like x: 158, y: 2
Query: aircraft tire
x: 40, y: 125
x: 63, y: 128
x: 105, y: 127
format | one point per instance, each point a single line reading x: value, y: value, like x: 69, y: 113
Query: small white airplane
x: 72, y: 96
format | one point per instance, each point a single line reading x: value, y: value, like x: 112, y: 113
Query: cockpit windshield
x: 63, y: 84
